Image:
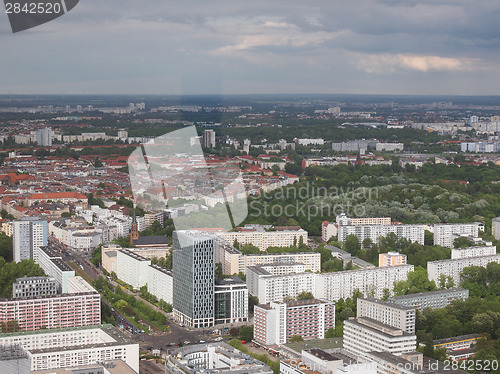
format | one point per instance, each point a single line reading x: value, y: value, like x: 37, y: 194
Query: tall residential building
x: 328, y: 230
x: 34, y: 287
x: 276, y: 323
x: 208, y: 139
x: 432, y: 299
x: 193, y: 270
x: 28, y: 235
x: 363, y: 335
x: 478, y: 251
x: 343, y: 220
x: 495, y: 227
x: 371, y: 282
x: 414, y: 233
x: 400, y: 316
x: 231, y: 301
x: 391, y: 259
x: 453, y: 268
x: 445, y: 234
x: 44, y: 137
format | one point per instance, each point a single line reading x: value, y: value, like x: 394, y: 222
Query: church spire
x: 134, y: 229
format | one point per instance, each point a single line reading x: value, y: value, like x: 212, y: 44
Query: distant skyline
x: 429, y: 47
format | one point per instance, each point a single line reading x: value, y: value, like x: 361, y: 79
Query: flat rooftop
x: 387, y: 304
x: 378, y: 327
x: 457, y: 339
x: 429, y: 294
x: 113, y: 367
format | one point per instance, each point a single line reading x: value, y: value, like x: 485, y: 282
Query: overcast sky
x: 271, y: 46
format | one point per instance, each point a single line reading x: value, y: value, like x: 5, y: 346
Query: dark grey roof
x: 151, y: 240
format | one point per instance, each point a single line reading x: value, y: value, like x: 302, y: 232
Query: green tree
x: 305, y: 295
x: 246, y: 333
x: 352, y: 245
x: 296, y: 338
x: 252, y: 301
x: 461, y: 242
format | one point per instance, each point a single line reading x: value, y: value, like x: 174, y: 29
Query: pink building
x: 276, y: 323
x: 391, y: 259
x: 49, y: 312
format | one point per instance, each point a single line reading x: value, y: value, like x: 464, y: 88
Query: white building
x: 363, y: 335
x: 400, y: 316
x: 231, y: 301
x: 453, y: 268
x: 432, y: 299
x: 132, y: 268
x: 265, y: 239
x: 28, y: 235
x: 445, y: 234
x: 457, y: 253
x: 275, y: 288
x: 276, y: 323
x: 160, y: 283
x: 414, y: 233
x: 371, y: 282
x: 328, y: 230
x: 212, y: 358
x: 64, y: 348
x: 390, y: 147
x: 52, y: 264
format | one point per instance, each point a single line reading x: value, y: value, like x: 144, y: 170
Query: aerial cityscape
x: 239, y: 188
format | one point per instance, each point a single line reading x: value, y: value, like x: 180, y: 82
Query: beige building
x: 265, y: 239
x: 391, y: 259
x: 396, y: 315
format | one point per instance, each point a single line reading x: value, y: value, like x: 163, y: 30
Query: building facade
x: 391, y: 259
x: 231, y: 301
x: 193, y: 278
x: 444, y: 234
x: 453, y: 268
x: 34, y: 287
x: 478, y: 251
x: 265, y: 239
x: 52, y: 264
x: 432, y: 299
x: 276, y: 323
x: 28, y: 235
x: 371, y: 282
x: 396, y: 315
x: 413, y: 233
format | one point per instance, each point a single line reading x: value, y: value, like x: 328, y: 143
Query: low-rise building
x: 33, y: 287
x: 213, y: 357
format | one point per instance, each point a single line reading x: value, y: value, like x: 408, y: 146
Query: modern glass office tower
x: 193, y: 270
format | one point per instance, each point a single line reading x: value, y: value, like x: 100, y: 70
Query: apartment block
x: 371, y: 282
x: 14, y: 359
x: 73, y: 347
x: 264, y: 239
x: 391, y: 259
x: 399, y: 316
x: 343, y: 220
x: 28, y: 235
x: 34, y: 287
x: 52, y: 264
x: 160, y: 283
x: 234, y: 262
x: 432, y: 299
x: 231, y: 300
x: 413, y: 233
x: 132, y: 268
x: 276, y: 323
x: 453, y: 268
x: 49, y: 312
x: 275, y: 288
x: 445, y: 234
x: 363, y: 335
x: 479, y: 251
